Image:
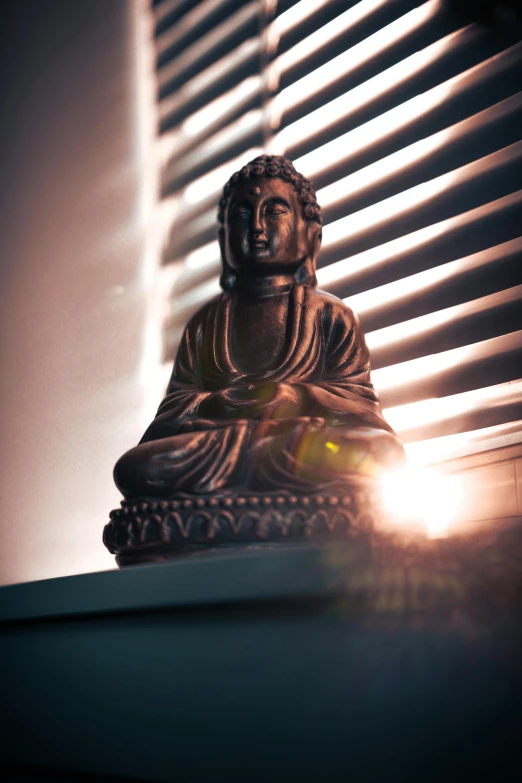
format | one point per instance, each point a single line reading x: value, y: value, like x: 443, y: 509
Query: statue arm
x: 345, y: 392
x: 184, y: 394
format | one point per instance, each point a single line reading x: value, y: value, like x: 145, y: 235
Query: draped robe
x: 324, y: 363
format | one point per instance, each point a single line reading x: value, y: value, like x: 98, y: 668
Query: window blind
x: 406, y: 116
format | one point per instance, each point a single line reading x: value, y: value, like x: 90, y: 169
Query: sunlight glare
x: 420, y: 500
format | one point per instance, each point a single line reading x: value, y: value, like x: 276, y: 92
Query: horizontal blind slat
x: 443, y: 152
x: 438, y: 108
x: 202, y: 123
x: 451, y: 372
x: 486, y: 272
x: 347, y: 28
x: 408, y: 78
x: 464, y: 189
x: 424, y: 248
x: 440, y: 450
x: 229, y: 71
x: 451, y: 327
x: 477, y: 409
x: 397, y: 39
x: 192, y: 25
x: 212, y: 45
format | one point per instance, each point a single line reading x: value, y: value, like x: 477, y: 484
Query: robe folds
x: 321, y: 377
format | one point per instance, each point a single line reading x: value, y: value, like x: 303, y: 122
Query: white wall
x: 73, y: 291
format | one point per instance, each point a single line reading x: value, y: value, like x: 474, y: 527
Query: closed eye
x: 277, y: 207
x: 240, y: 211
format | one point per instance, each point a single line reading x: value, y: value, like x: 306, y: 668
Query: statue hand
x: 226, y: 403
x: 271, y: 400
x: 265, y: 400
x: 378, y: 447
x: 294, y: 425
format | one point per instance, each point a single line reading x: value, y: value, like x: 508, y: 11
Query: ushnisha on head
x: 270, y: 223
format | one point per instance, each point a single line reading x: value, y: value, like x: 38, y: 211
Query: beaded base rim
x: 146, y: 526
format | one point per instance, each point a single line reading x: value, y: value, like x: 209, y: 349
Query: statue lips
x: 258, y: 247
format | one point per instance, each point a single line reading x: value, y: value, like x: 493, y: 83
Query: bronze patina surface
x: 270, y: 395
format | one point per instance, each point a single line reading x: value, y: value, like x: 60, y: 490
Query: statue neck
x: 265, y: 285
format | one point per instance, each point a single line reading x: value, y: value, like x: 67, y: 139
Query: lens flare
x: 419, y: 499
x: 333, y: 447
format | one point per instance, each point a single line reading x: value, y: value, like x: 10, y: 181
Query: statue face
x: 265, y: 232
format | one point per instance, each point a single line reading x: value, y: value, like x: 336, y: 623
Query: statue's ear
x: 306, y: 273
x: 315, y: 237
x: 221, y: 240
x: 228, y: 278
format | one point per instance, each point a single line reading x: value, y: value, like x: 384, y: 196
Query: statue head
x: 270, y: 223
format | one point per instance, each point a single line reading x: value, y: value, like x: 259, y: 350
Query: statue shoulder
x: 334, y: 307
x: 201, y: 316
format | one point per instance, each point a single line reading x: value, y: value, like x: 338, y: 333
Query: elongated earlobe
x: 305, y: 274
x: 227, y: 280
x: 315, y: 233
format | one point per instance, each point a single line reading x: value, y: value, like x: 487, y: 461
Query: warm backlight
x: 418, y: 499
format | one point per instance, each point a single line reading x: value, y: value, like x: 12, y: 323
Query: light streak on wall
x: 412, y: 157
x: 298, y: 13
x: 419, y: 328
x: 220, y: 108
x: 241, y: 130
x: 406, y: 374
x: 350, y: 60
x: 203, y: 256
x: 424, y: 282
x: 173, y: 36
x: 212, y: 40
x: 384, y: 254
x: 197, y: 297
x: 448, y: 447
x: 415, y: 415
x: 205, y: 82
x: 325, y: 34
x: 363, y: 95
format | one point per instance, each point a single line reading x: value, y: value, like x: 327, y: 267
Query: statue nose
x: 258, y: 232
x: 258, y: 225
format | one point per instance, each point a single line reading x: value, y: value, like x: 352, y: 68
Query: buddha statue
x: 271, y: 389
